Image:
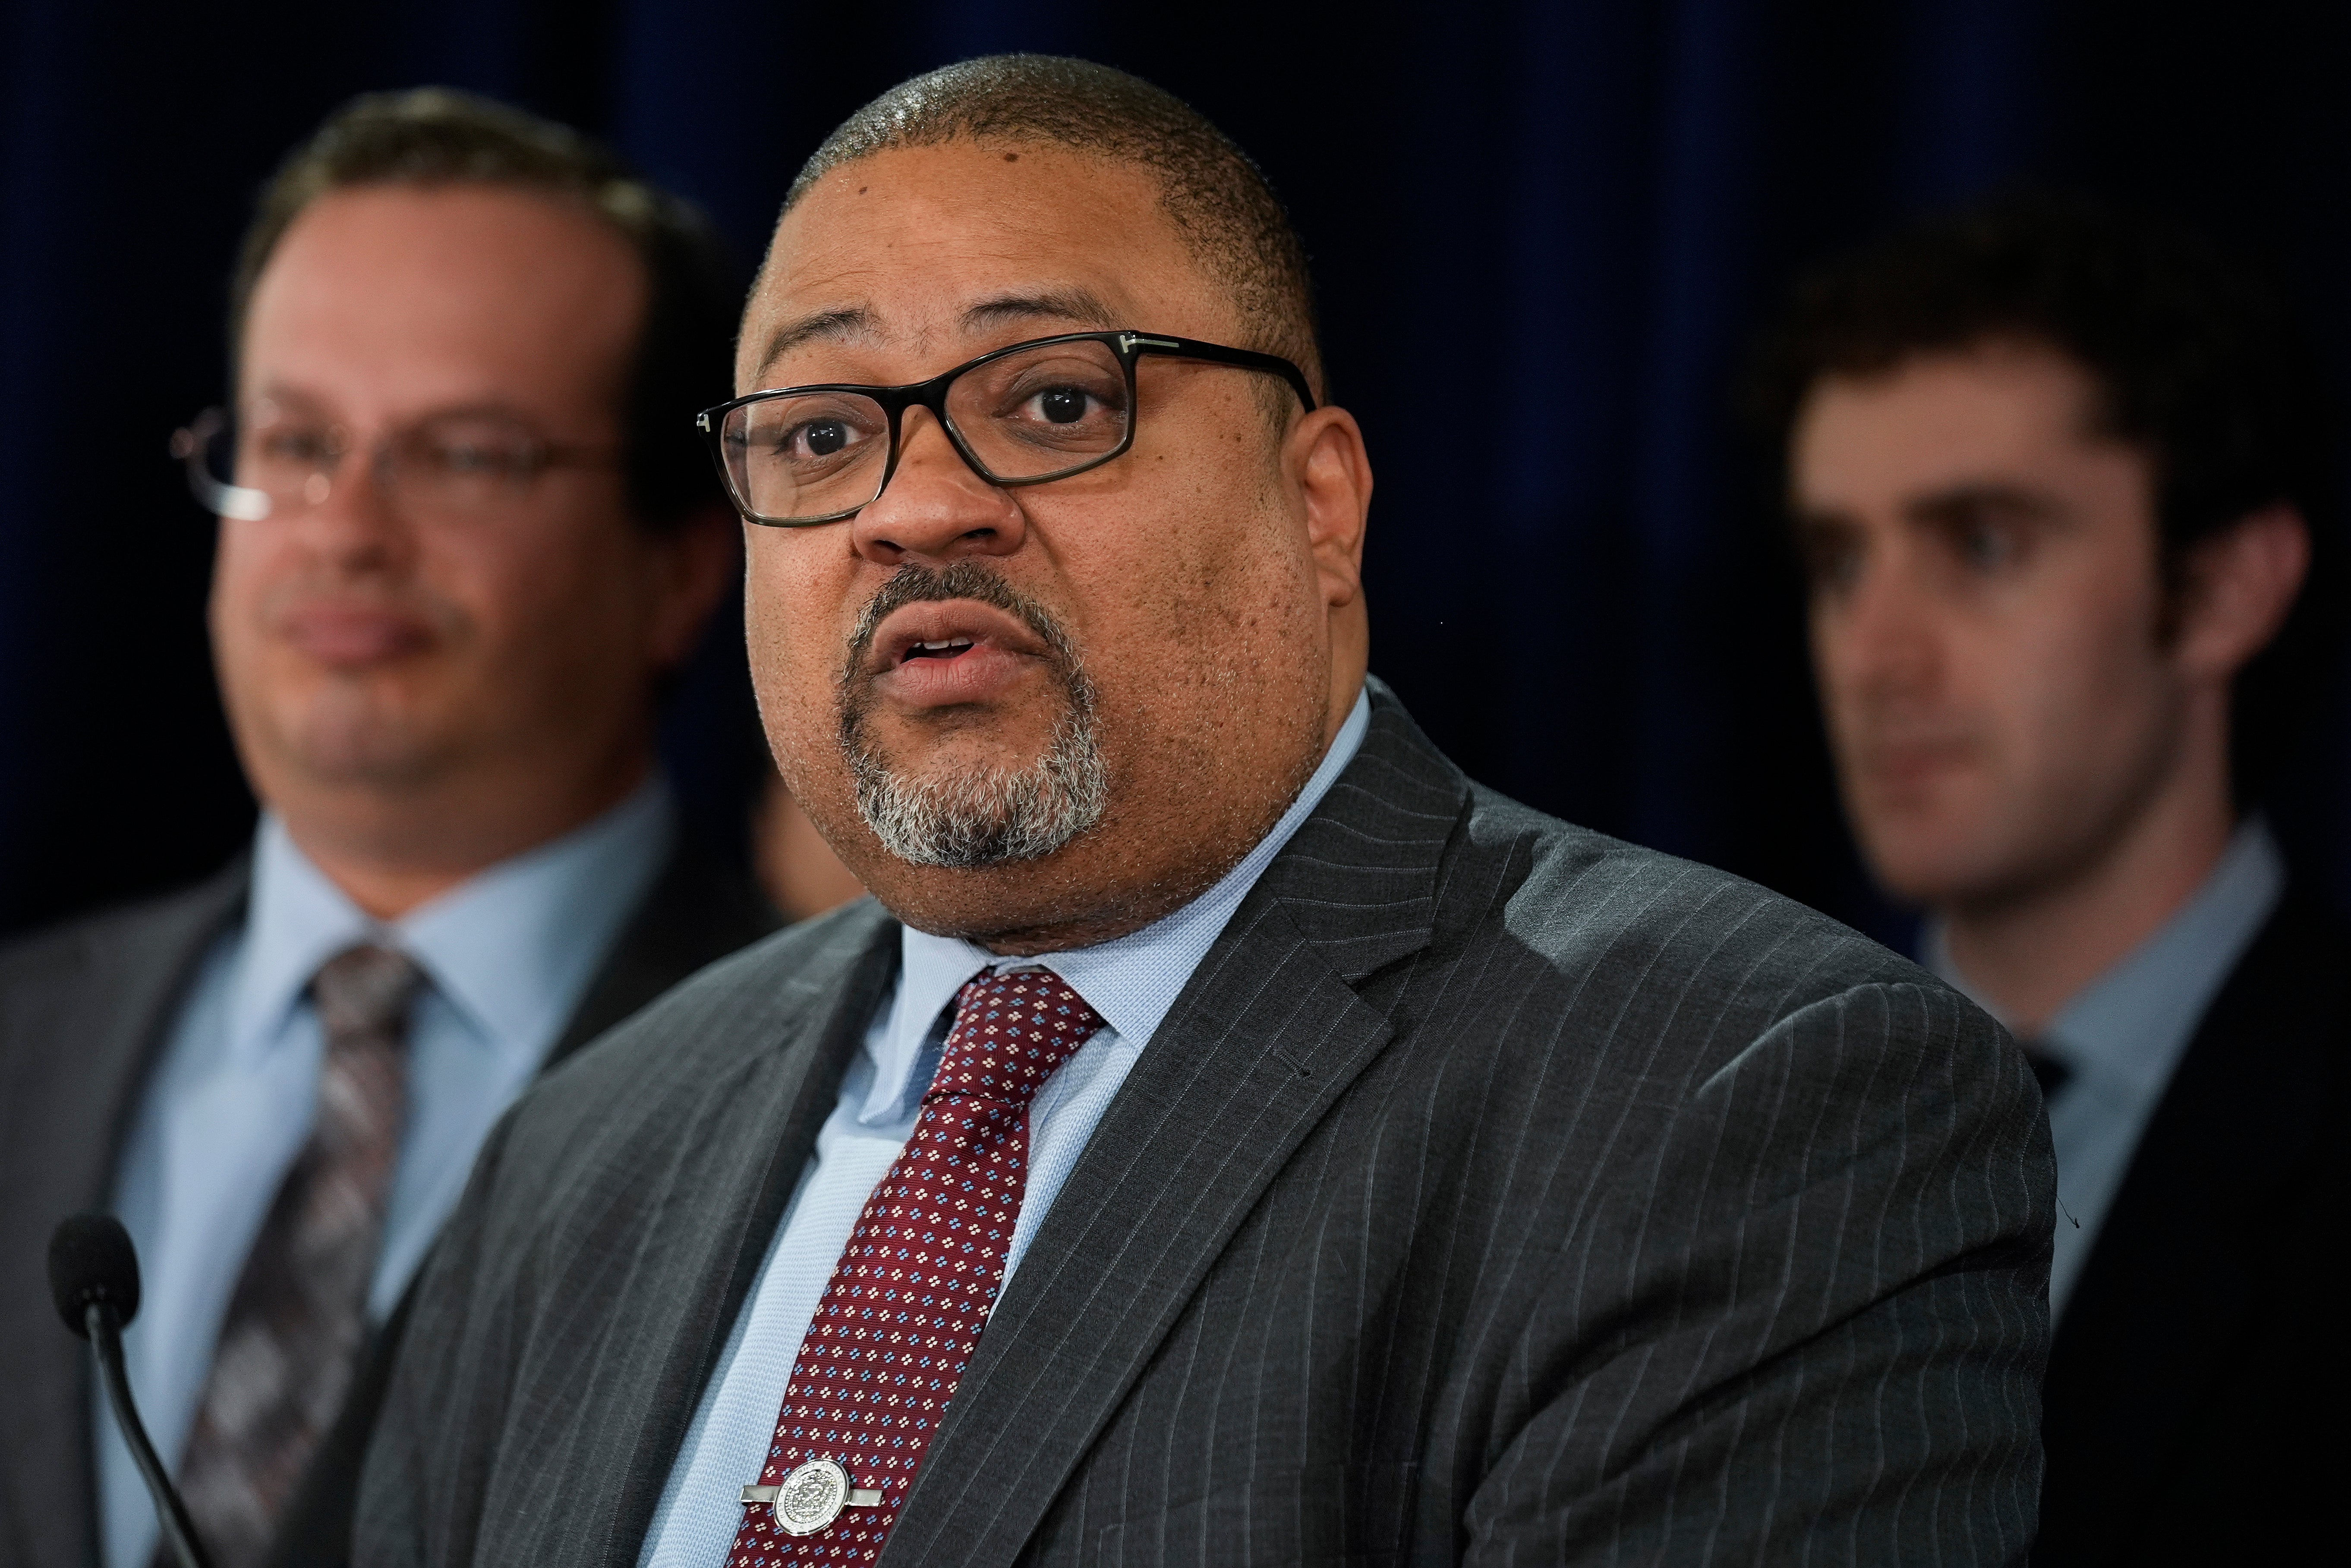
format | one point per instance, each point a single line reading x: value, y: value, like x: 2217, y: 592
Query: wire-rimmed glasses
x: 279, y: 460
x: 1024, y: 415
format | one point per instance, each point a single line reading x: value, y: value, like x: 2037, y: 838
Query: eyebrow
x: 1961, y: 503
x: 308, y: 403
x: 281, y: 392
x: 1079, y: 305
x: 855, y: 321
x: 1082, y: 306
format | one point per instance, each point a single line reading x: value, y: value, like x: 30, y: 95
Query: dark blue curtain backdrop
x: 1542, y: 234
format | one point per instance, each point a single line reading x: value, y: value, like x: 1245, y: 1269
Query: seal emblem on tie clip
x: 811, y: 1497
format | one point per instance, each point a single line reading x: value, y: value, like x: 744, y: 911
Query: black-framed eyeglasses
x: 1034, y: 412
x: 273, y: 460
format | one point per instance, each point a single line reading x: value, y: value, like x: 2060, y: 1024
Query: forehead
x: 404, y: 293
x: 926, y: 253
x: 2009, y: 412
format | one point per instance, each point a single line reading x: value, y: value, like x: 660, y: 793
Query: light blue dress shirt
x: 1131, y: 982
x: 2122, y: 1037
x: 507, y: 957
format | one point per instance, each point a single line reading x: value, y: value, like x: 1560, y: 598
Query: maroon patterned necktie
x: 903, y: 1311
x: 291, y: 1341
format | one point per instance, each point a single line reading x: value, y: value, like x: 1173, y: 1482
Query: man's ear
x: 2238, y: 588
x: 695, y: 560
x: 1325, y: 456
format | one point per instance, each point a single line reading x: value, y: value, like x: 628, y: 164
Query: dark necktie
x: 297, y: 1319
x: 903, y: 1309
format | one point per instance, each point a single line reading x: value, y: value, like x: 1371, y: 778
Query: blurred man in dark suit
x: 465, y: 531
x: 2057, y: 476
x: 1229, y: 1135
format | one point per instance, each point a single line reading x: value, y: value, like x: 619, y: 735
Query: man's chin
x: 940, y: 743
x: 360, y: 745
x: 1938, y: 869
x: 969, y: 805
x: 949, y: 765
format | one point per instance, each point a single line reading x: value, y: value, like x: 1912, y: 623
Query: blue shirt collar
x: 2129, y: 1026
x: 2135, y: 1020
x: 509, y: 948
x: 1130, y: 981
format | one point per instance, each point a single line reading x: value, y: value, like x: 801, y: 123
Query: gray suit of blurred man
x: 468, y: 533
x: 1230, y: 1135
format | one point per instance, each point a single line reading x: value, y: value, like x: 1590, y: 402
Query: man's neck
x: 2031, y: 952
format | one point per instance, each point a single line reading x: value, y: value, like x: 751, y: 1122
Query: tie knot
x: 1010, y: 1032
x: 366, y: 990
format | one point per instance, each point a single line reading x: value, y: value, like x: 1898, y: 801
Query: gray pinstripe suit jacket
x: 1495, y: 1192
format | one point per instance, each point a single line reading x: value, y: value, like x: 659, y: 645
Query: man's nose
x: 935, y: 508
x: 1892, y: 644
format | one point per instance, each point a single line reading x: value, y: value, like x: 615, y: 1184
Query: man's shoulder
x: 2302, y: 946
x: 1577, y: 901
x: 97, y: 949
x: 2272, y: 1050
x: 1641, y: 973
x: 2281, y: 1019
x: 1436, y: 892
x: 1409, y: 846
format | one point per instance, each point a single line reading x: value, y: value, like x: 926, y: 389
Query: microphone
x: 94, y: 1280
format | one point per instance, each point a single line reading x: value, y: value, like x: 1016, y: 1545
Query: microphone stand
x: 106, y: 1338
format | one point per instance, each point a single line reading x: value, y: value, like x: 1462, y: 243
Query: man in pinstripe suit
x: 1389, y: 1173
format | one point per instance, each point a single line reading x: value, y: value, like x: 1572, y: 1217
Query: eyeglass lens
x: 1036, y: 415
x: 454, y: 464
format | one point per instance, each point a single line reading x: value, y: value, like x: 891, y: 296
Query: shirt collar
x: 2129, y: 1026
x: 510, y: 949
x: 1130, y: 981
x: 2134, y: 1021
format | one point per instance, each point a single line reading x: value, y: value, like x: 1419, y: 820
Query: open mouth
x: 936, y: 635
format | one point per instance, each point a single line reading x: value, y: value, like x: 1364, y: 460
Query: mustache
x: 913, y: 584
x: 993, y: 815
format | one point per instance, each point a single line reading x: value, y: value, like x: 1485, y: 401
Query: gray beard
x: 985, y: 819
x: 988, y: 818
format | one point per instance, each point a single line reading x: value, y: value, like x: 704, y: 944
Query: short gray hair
x: 1215, y: 196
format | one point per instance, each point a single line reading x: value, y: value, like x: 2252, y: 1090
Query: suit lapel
x: 83, y: 1035
x: 776, y: 1104
x: 1265, y: 1038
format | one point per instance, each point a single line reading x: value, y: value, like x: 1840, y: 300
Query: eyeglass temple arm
x: 237, y: 501
x: 1216, y: 353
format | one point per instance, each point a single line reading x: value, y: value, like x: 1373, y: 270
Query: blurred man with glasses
x: 465, y: 530
x: 1230, y: 1135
